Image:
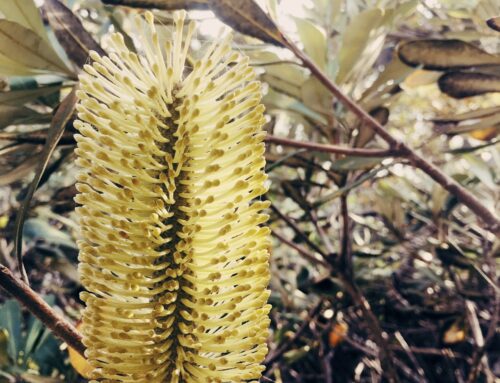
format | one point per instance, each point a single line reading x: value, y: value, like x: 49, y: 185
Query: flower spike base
x: 173, y: 257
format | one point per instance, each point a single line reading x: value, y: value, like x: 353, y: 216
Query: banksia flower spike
x: 173, y: 257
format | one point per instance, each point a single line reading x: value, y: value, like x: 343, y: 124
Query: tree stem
x: 59, y: 326
x: 346, y: 274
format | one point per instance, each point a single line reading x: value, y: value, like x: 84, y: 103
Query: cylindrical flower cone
x: 174, y: 255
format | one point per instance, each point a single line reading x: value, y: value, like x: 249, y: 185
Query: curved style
x: 173, y: 255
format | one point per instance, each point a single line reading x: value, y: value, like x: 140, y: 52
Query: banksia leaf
x: 173, y: 255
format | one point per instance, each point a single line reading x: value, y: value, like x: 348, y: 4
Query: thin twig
x: 345, y: 261
x: 475, y: 327
x: 482, y: 343
x: 385, y: 352
x: 479, y: 352
x: 491, y: 221
x: 300, y: 250
x: 289, y: 221
x: 324, y: 237
x: 407, y: 349
x: 374, y: 354
x: 279, y: 62
x: 345, y: 271
x: 59, y: 326
x: 357, y: 152
x: 326, y: 354
x: 285, y: 346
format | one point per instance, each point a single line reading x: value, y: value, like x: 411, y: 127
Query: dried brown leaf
x: 366, y: 134
x: 70, y: 33
x: 24, y: 46
x: 494, y: 23
x: 444, y: 54
x: 25, y: 13
x: 247, y: 17
x: 244, y: 16
x: 467, y: 84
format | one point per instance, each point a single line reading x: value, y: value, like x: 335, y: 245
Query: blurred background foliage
x: 427, y: 269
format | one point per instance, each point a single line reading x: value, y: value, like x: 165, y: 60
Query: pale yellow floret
x: 174, y: 257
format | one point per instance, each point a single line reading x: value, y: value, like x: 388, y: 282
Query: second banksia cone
x: 173, y: 257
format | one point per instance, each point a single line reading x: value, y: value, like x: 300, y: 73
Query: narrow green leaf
x: 315, y: 96
x: 337, y: 193
x: 27, y: 48
x: 355, y: 40
x: 314, y: 40
x: 9, y: 67
x: 61, y: 118
x: 25, y: 13
x: 282, y: 85
x: 282, y: 160
x: 10, y: 320
x: 35, y: 331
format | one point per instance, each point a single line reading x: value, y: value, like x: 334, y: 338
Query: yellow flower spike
x: 173, y: 256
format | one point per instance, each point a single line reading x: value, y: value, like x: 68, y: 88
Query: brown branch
x: 357, y: 152
x: 345, y: 261
x: 489, y: 218
x: 344, y: 268
x: 40, y: 309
